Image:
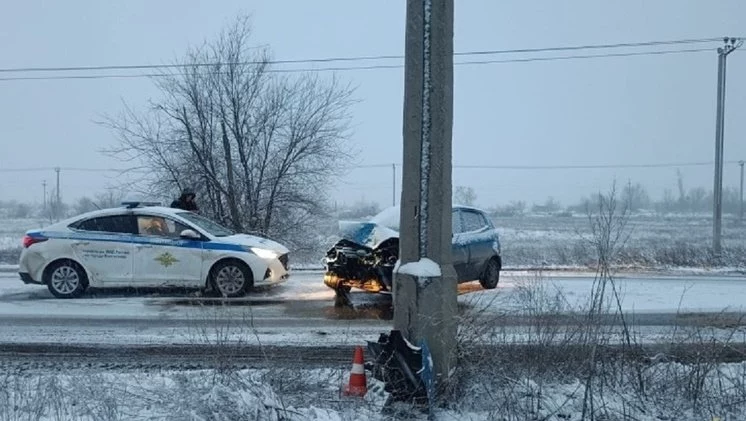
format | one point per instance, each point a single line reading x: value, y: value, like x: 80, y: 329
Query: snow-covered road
x: 305, y: 296
x: 301, y: 310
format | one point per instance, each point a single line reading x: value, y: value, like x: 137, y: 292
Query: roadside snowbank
x: 293, y: 394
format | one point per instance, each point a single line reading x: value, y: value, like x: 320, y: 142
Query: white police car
x: 140, y: 245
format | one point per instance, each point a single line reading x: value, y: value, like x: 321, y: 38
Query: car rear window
x: 473, y: 221
x: 120, y: 224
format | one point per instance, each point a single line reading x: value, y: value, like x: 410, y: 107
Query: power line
x: 75, y: 169
x: 564, y: 167
x: 589, y: 56
x: 370, y: 67
x: 591, y: 166
x: 360, y: 58
x: 597, y: 46
x: 388, y: 165
x: 567, y: 167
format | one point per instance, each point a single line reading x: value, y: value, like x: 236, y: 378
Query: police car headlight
x: 264, y: 253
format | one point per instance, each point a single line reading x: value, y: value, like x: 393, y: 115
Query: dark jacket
x: 182, y: 203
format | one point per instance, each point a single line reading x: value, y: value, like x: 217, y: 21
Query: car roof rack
x: 139, y: 204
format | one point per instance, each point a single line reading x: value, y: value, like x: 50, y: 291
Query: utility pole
x: 740, y: 212
x: 58, y: 206
x: 717, y: 209
x: 425, y: 305
x: 44, y: 186
x: 393, y: 185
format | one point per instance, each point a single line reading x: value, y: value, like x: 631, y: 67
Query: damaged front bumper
x: 351, y: 265
x: 334, y: 281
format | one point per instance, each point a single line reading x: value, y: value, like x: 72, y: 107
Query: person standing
x: 187, y: 201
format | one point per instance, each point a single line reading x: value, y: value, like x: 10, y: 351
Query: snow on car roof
x: 467, y: 207
x: 119, y: 210
x: 124, y: 209
x: 161, y: 209
x: 389, y: 217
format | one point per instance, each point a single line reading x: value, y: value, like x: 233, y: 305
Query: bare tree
x: 109, y: 199
x: 464, y: 195
x: 14, y: 209
x: 609, y: 233
x: 56, y: 209
x: 551, y: 205
x: 258, y: 146
x: 635, y: 196
x: 360, y: 209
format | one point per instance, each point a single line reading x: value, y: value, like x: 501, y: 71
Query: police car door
x: 163, y: 258
x: 104, y: 246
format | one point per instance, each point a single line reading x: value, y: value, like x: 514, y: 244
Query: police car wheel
x: 66, y: 279
x: 231, y: 279
x: 491, y: 275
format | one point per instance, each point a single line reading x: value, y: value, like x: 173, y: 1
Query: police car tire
x: 71, y: 268
x: 491, y: 275
x: 246, y: 272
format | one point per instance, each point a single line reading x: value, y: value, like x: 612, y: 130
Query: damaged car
x: 365, y: 257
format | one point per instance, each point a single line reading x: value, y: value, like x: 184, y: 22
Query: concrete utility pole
x: 425, y: 306
x: 717, y: 209
x: 58, y: 206
x: 44, y: 186
x: 393, y: 185
x: 740, y: 211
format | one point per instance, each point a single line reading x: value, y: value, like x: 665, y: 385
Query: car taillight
x: 28, y: 240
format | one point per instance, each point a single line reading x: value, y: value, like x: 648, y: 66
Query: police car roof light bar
x: 137, y: 204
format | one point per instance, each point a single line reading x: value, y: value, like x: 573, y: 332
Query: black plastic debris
x: 398, y: 364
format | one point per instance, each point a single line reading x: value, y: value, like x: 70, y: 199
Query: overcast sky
x: 630, y: 110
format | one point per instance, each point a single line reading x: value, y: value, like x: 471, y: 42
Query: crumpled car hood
x: 367, y: 234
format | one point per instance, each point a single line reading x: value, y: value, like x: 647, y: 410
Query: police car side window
x: 175, y: 228
x: 159, y: 226
x: 119, y: 224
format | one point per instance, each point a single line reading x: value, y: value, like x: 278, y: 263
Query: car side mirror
x: 189, y: 235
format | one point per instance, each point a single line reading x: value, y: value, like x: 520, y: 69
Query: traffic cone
x: 358, y: 384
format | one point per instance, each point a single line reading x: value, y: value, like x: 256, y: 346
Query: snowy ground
x: 655, y: 241
x: 640, y: 292
x: 300, y: 394
x: 11, y: 230
x: 191, y: 395
x: 301, y: 311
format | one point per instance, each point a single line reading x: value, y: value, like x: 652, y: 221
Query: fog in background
x: 616, y: 110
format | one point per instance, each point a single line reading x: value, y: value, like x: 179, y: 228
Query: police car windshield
x: 206, y: 224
